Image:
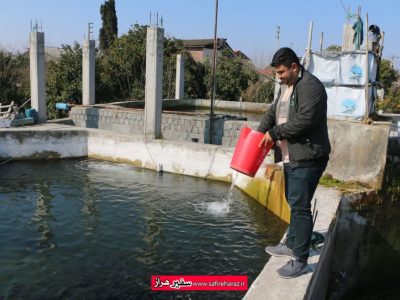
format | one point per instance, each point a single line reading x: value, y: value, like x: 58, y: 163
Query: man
x: 297, y: 122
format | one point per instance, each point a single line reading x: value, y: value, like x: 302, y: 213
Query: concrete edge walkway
x: 268, y: 285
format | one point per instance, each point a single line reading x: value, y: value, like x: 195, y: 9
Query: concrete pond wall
x: 192, y: 159
x: 54, y: 140
x: 349, y: 161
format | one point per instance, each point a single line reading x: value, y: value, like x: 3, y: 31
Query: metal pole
x: 214, y: 73
x: 278, y: 31
x: 366, y: 71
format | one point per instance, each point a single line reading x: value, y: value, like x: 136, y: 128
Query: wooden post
x: 383, y: 39
x: 321, y: 41
x: 366, y: 72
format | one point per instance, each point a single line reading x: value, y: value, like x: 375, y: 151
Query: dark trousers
x: 300, y: 185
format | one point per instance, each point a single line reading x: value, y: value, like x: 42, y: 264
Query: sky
x: 248, y: 25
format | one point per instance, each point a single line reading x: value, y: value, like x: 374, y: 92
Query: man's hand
x: 266, y: 140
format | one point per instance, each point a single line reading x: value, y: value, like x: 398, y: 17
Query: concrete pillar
x: 154, y: 82
x: 37, y: 75
x: 88, y: 72
x: 180, y: 77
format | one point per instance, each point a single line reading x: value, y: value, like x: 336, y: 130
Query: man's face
x: 287, y: 75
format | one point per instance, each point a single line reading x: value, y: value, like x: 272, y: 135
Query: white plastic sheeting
x: 339, y: 71
x: 347, y: 102
x: 343, y: 68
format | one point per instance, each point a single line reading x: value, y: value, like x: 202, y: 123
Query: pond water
x: 88, y: 229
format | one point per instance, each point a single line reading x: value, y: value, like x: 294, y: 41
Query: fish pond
x: 89, y: 229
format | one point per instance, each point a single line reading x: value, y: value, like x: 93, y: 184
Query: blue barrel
x: 62, y: 106
x: 31, y: 113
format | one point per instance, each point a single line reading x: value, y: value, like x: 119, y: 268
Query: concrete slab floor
x: 268, y: 285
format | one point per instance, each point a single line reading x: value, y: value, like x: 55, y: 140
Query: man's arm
x: 268, y: 120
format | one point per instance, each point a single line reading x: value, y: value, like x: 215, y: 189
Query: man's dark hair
x: 285, y: 56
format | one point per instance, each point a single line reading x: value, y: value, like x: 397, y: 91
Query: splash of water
x: 217, y: 208
x: 230, y: 192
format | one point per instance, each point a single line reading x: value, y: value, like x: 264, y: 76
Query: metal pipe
x: 214, y: 73
x: 366, y: 71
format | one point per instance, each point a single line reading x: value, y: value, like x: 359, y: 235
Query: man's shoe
x: 279, y: 250
x: 293, y: 268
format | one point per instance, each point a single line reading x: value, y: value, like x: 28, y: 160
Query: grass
x: 345, y: 186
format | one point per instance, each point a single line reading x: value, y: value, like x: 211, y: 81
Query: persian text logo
x: 199, y: 283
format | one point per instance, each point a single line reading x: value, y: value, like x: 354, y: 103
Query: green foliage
x: 8, y: 77
x: 122, y: 69
x: 387, y: 77
x: 64, y: 78
x: 261, y: 91
x: 14, y: 78
x: 387, y: 74
x: 109, y: 29
x: 391, y: 102
x: 333, y: 48
x: 23, y: 84
x: 172, y: 47
x: 195, y: 78
x: 232, y: 77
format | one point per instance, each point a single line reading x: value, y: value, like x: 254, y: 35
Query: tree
x: 172, y: 47
x: 123, y: 67
x: 387, y: 74
x: 334, y: 48
x: 64, y: 78
x: 195, y: 78
x: 14, y: 77
x: 388, y: 77
x: 260, y: 91
x: 109, y: 29
x: 232, y: 77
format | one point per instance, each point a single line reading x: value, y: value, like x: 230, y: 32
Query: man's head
x: 286, y: 65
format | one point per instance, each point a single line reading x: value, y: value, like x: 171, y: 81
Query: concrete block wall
x: 227, y: 132
x: 177, y: 127
x: 121, y: 121
x: 185, y: 128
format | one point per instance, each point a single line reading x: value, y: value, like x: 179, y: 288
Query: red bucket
x: 248, y: 157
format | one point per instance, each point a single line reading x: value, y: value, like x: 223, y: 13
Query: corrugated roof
x: 204, y: 43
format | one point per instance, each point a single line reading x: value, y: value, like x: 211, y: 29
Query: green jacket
x: 306, y: 129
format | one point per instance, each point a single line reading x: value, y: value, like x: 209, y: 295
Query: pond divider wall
x: 193, y: 159
x: 358, y: 150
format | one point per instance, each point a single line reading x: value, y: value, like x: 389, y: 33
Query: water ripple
x: 100, y: 229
